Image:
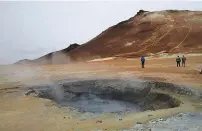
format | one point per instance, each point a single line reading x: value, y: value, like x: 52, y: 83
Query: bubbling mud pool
x: 95, y: 104
x: 105, y: 95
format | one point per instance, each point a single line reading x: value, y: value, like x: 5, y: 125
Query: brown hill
x: 170, y: 31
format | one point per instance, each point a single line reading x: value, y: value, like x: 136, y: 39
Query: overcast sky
x: 32, y: 29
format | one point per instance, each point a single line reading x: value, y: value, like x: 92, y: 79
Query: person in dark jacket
x: 142, y: 61
x: 183, y: 60
x: 178, y: 60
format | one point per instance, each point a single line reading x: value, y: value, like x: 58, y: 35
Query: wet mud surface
x: 94, y: 104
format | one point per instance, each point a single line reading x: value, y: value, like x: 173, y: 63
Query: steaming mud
x: 105, y: 95
x: 94, y: 104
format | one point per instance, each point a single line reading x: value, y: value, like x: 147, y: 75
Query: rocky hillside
x: 146, y: 33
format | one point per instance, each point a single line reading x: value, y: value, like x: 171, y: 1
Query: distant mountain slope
x: 57, y: 57
x: 24, y: 61
x: 170, y: 31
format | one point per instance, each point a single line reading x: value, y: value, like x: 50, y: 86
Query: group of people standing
x: 179, y: 60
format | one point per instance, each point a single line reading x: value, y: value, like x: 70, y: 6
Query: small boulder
x: 141, y: 12
x: 99, y: 121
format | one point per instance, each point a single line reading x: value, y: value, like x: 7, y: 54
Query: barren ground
x: 19, y: 112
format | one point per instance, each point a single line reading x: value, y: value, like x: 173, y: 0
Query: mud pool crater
x: 105, y: 95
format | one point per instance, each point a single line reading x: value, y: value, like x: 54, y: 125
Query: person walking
x: 183, y: 60
x: 178, y: 60
x: 142, y: 61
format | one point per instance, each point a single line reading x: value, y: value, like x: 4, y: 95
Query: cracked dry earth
x: 41, y: 98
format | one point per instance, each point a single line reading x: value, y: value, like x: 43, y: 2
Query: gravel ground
x: 179, y: 122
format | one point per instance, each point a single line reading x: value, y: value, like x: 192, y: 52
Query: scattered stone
x: 150, y: 115
x: 173, y: 123
x: 120, y: 119
x: 201, y: 71
x: 160, y: 119
x: 180, y: 115
x: 139, y: 122
x: 99, y: 121
x: 64, y: 117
